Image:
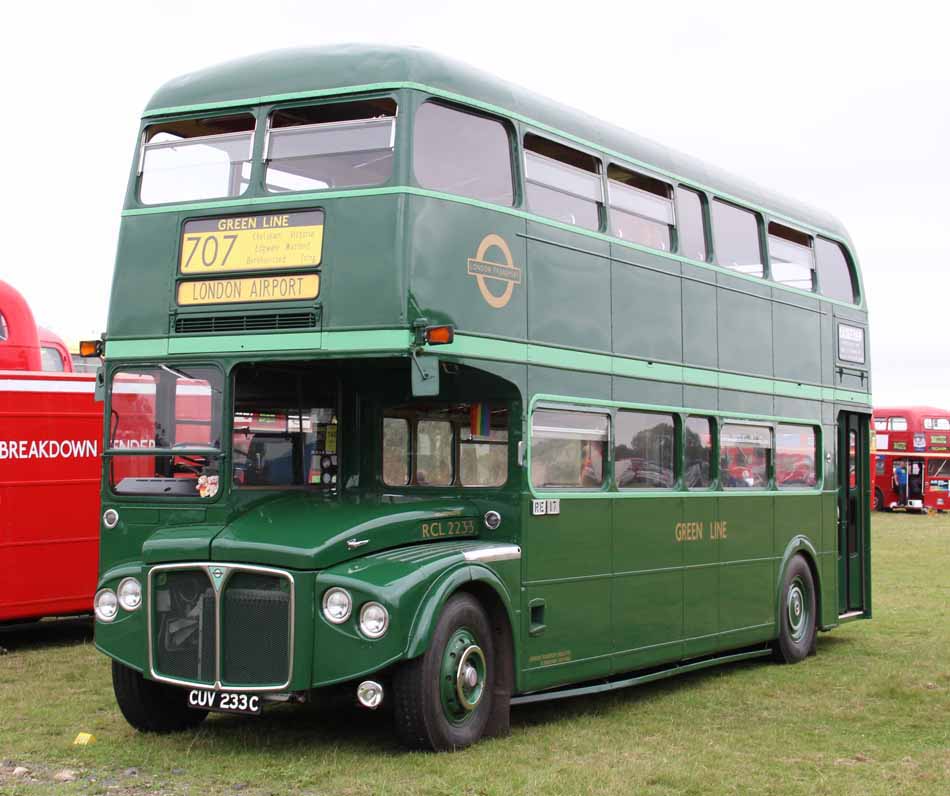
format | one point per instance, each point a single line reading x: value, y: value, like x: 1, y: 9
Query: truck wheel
x: 443, y: 699
x: 152, y: 707
x: 797, y: 615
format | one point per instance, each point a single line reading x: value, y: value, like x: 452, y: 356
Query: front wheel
x: 443, y: 699
x: 797, y: 627
x: 150, y: 706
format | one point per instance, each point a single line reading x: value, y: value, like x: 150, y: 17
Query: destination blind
x: 250, y: 289
x: 252, y: 243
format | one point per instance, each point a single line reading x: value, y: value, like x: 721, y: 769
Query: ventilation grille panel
x: 276, y: 321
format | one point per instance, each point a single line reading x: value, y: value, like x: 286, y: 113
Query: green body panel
x: 414, y: 582
x: 602, y: 588
x: 307, y: 533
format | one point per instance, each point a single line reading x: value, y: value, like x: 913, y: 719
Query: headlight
x: 130, y: 594
x: 110, y: 518
x: 337, y: 605
x: 374, y: 620
x: 106, y: 605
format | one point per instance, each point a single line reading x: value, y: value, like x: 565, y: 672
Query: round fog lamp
x: 106, y: 605
x: 337, y: 605
x: 130, y: 594
x: 374, y: 620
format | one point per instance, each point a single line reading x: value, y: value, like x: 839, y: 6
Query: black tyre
x: 152, y: 707
x: 878, y: 500
x: 797, y: 628
x: 443, y: 699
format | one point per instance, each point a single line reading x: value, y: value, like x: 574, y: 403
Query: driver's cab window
x: 285, y: 428
x: 459, y: 444
x: 165, y: 430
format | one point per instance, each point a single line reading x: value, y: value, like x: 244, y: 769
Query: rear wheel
x: 798, y: 615
x: 443, y: 699
x: 152, y: 707
x: 878, y: 500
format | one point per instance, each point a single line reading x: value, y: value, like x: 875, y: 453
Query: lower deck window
x: 938, y: 468
x: 483, y: 458
x: 795, y: 457
x: 644, y: 451
x: 698, y: 447
x: 568, y: 448
x: 744, y: 456
x: 445, y: 445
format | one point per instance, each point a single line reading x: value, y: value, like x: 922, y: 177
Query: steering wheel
x: 197, y: 463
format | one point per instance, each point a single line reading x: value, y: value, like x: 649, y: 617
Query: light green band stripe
x: 471, y: 346
x: 409, y: 190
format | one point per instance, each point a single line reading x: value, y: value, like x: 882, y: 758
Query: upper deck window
x: 562, y: 183
x: 569, y: 448
x: 462, y: 153
x: 4, y: 332
x: 937, y: 423
x: 834, y: 272
x: 690, y: 224
x: 641, y: 208
x: 897, y: 423
x: 736, y: 235
x: 336, y: 145
x: 193, y: 159
x: 791, y: 257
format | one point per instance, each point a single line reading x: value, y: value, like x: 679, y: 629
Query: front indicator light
x: 337, y: 605
x: 374, y: 620
x: 106, y: 605
x: 130, y: 594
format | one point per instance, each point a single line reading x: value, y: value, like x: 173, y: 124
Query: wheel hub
x: 463, y: 674
x: 797, y: 611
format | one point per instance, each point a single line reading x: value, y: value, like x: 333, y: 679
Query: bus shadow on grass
x: 336, y: 720
x: 45, y: 634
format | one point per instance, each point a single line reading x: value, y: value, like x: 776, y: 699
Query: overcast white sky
x: 840, y: 104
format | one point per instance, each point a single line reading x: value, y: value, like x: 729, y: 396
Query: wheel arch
x: 493, y: 595
x: 477, y: 580
x: 799, y: 545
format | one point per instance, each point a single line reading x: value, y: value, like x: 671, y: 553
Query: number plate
x: 224, y: 701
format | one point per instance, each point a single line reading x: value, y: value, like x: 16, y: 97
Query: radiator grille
x: 184, y: 625
x: 255, y: 629
x: 197, y: 324
x: 252, y: 608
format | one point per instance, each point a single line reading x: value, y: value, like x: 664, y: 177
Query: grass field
x: 869, y: 715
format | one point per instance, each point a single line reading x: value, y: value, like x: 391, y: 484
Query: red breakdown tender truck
x: 50, y: 439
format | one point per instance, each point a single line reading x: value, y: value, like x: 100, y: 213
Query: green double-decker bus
x: 421, y: 385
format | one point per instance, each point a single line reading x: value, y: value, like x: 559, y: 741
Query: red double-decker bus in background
x: 50, y: 440
x: 912, y: 458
